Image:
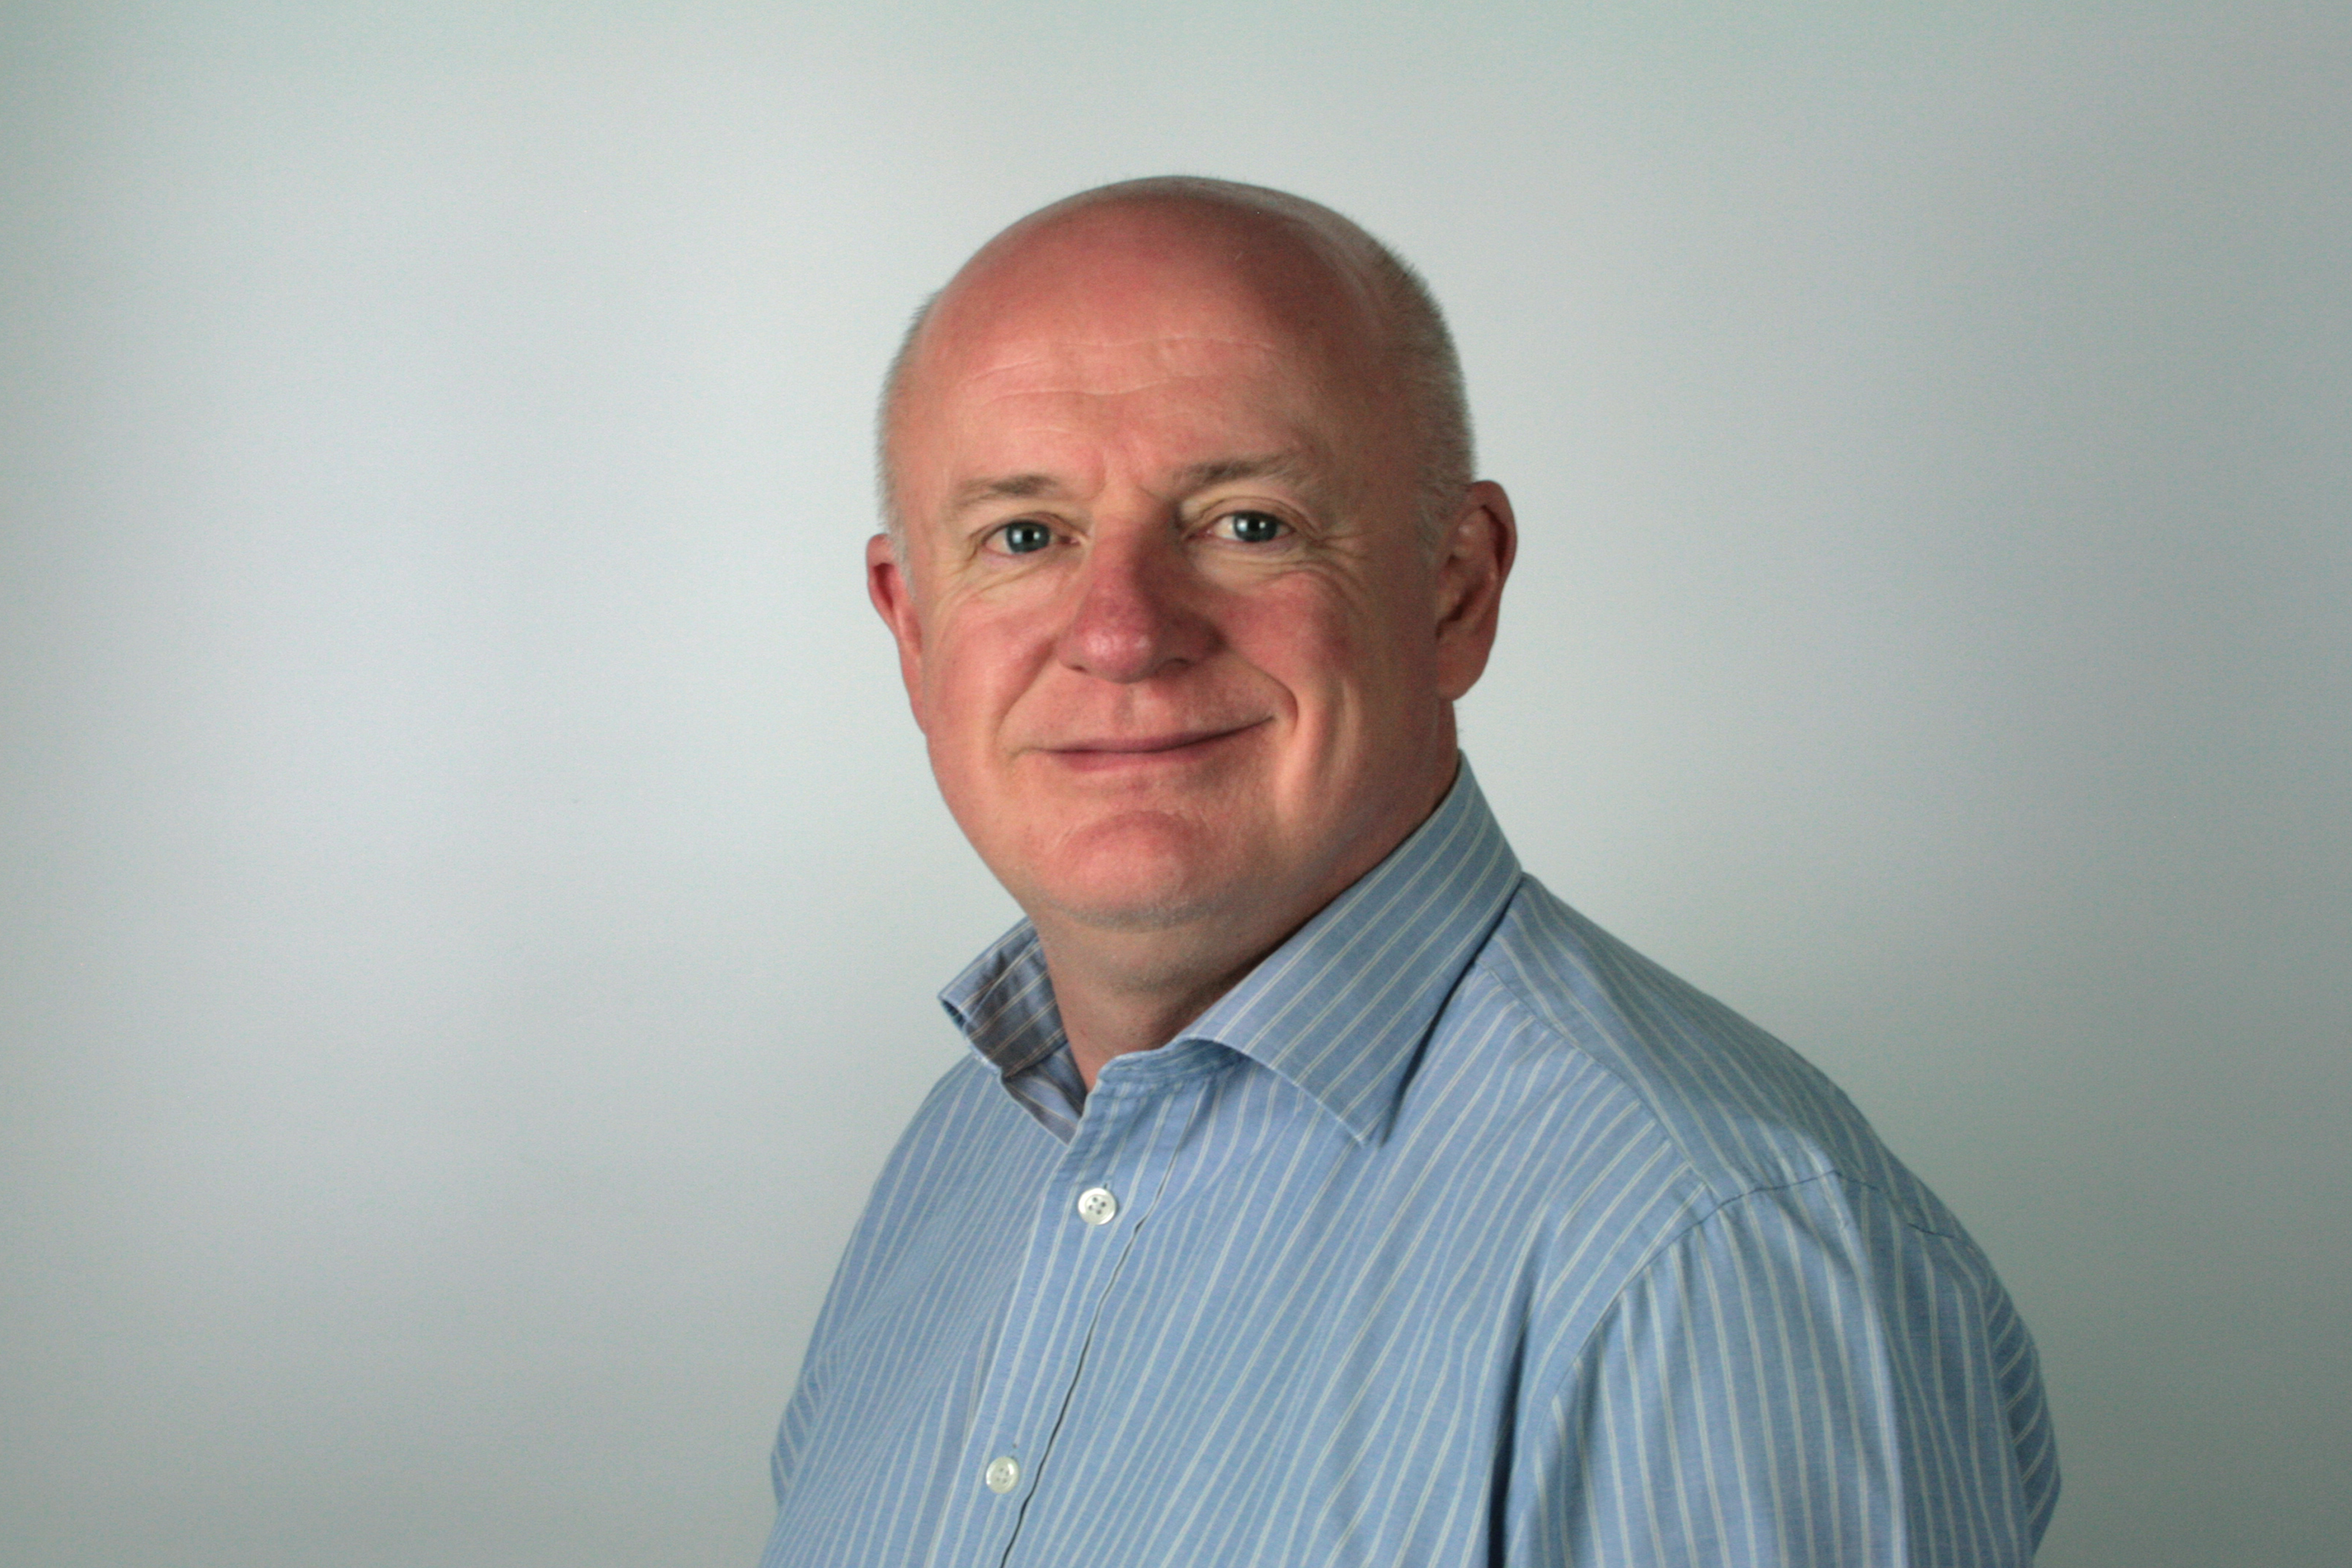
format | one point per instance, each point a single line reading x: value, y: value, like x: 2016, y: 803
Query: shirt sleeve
x: 1801, y: 1379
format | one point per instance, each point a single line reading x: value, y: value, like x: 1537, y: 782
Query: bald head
x: 1135, y: 255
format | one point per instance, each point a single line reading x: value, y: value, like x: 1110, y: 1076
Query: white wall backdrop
x: 473, y: 895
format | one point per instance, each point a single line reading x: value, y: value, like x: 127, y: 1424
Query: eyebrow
x: 1285, y: 464
x: 1289, y: 466
x: 1010, y: 487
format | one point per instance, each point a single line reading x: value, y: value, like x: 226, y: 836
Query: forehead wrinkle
x: 1046, y: 391
x: 1072, y: 409
x: 1050, y: 342
x: 1060, y: 379
x: 1077, y: 354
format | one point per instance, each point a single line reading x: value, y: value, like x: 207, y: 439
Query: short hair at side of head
x: 1421, y: 354
x: 886, y: 413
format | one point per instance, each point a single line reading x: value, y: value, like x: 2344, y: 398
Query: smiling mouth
x: 1116, y: 750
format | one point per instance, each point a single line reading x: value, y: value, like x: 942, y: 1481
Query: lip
x: 1134, y: 750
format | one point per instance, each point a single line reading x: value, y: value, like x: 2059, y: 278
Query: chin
x: 1144, y: 872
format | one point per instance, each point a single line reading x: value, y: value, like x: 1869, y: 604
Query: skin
x: 1184, y: 668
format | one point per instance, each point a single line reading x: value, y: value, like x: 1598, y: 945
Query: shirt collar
x: 1341, y: 1009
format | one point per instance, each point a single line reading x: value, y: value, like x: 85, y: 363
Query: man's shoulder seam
x: 1698, y: 1218
x: 1534, y: 1016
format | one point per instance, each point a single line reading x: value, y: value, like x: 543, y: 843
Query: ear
x: 893, y: 595
x: 1474, y: 559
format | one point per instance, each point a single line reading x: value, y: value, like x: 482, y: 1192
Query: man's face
x: 1164, y: 618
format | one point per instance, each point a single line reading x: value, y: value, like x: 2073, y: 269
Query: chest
x: 1215, y: 1327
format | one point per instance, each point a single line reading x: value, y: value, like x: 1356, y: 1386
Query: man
x: 1319, y: 1189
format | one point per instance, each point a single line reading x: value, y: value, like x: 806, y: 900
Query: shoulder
x: 1792, y: 1234
x: 1738, y: 1112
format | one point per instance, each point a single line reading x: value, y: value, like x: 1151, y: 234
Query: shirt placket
x: 1082, y: 1229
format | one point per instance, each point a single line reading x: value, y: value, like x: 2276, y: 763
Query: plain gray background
x: 474, y: 895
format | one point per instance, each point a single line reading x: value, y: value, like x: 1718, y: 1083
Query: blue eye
x: 1254, y: 527
x: 1023, y: 538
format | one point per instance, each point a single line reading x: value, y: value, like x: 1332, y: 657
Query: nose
x: 1132, y: 614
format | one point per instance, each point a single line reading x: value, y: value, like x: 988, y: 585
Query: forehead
x: 1125, y: 348
x: 1166, y: 390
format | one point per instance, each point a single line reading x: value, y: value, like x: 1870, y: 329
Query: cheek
x: 1328, y: 646
x: 1296, y: 627
x: 976, y: 664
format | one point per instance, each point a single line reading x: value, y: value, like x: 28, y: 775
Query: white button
x: 1003, y: 1473
x: 1096, y: 1206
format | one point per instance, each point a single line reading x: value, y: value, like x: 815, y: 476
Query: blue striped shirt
x: 1457, y: 1233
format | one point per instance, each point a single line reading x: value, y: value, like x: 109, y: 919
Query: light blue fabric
x: 1458, y: 1233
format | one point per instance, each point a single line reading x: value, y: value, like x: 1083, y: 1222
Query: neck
x: 1121, y: 995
